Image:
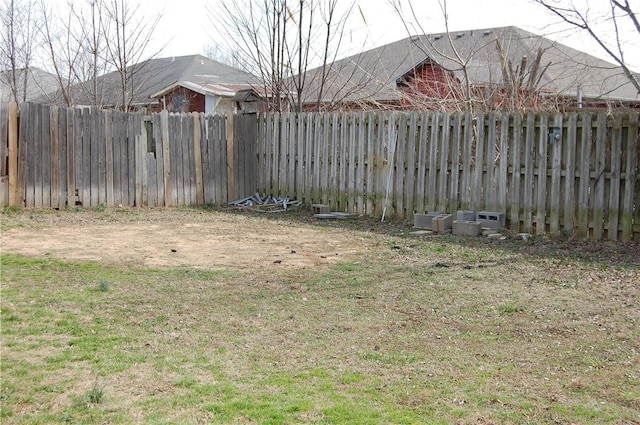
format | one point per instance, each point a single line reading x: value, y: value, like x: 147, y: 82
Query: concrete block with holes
x: 491, y: 220
x: 423, y: 221
x: 320, y: 209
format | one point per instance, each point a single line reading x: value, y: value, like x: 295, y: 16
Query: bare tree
x: 128, y: 38
x: 62, y: 52
x: 88, y: 38
x: 280, y: 40
x: 93, y: 39
x: 17, y: 45
x: 218, y: 53
x: 620, y: 14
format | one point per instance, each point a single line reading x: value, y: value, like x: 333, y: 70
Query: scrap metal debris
x: 267, y: 203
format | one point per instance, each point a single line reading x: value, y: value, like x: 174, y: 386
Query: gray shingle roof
x: 39, y: 83
x: 153, y: 75
x: 372, y: 75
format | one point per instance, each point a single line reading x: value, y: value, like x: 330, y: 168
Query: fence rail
x: 576, y: 173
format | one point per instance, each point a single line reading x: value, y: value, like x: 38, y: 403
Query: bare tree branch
x: 580, y: 19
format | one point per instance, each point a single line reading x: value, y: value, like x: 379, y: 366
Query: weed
x: 95, y: 394
x: 99, y: 208
x: 103, y: 286
x: 509, y: 309
x: 11, y: 210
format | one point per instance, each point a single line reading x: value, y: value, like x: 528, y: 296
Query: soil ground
x: 179, y: 237
x: 238, y: 239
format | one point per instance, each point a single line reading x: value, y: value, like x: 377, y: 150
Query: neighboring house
x: 39, y: 84
x: 178, y: 84
x: 189, y: 96
x: 496, y: 67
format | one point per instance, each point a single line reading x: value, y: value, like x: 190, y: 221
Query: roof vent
x: 415, y: 39
x: 460, y: 35
x: 486, y: 33
x: 437, y: 37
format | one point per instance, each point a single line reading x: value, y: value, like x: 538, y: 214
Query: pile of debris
x: 266, y: 203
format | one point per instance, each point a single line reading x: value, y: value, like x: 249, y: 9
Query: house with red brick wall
x: 191, y: 83
x: 495, y: 68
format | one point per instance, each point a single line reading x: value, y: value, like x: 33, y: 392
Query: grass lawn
x: 430, y: 330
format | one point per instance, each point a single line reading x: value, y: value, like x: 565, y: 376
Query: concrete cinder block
x: 490, y: 219
x: 466, y: 215
x: 466, y: 228
x: 320, y: 209
x: 423, y: 221
x: 442, y: 223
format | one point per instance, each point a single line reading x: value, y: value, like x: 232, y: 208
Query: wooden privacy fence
x: 54, y: 158
x: 575, y: 173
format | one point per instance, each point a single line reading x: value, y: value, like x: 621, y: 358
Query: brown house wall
x: 191, y: 101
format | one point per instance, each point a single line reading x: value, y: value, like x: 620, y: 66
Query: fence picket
x: 491, y: 151
x: 632, y: 163
x: 361, y: 159
x: 443, y: 168
x: 585, y: 193
x: 411, y: 146
x: 309, y: 164
x: 515, y: 191
x: 556, y: 147
x: 541, y: 184
x: 399, y: 166
x: 617, y: 155
x: 433, y: 163
x: 467, y: 156
x: 100, y: 141
x: 422, y: 149
x: 502, y: 181
x: 568, y: 219
x: 600, y: 170
x: 476, y: 183
x: 54, y: 161
x: 454, y: 182
x: 62, y: 158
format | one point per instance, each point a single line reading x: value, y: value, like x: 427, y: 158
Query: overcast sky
x: 187, y: 28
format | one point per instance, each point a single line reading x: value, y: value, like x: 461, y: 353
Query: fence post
x: 13, y: 154
x: 230, y: 183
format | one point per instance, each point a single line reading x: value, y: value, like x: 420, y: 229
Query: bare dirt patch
x: 172, y: 238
